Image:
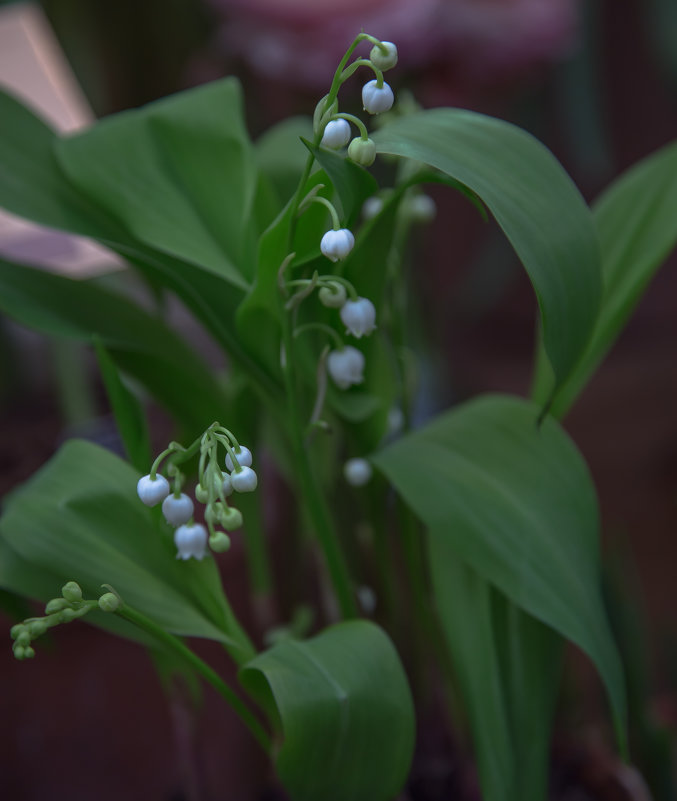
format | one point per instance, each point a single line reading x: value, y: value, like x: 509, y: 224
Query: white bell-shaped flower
x: 357, y: 472
x: 243, y: 456
x: 177, y: 510
x: 336, y: 245
x: 384, y: 61
x: 191, y: 541
x: 377, y: 99
x: 359, y: 317
x: 346, y: 367
x: 422, y: 208
x: 152, y: 490
x: 336, y: 134
x: 244, y: 480
x: 372, y: 207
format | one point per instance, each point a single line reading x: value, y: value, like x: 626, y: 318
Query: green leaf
x: 516, y: 503
x: 463, y: 600
x: 346, y: 713
x: 178, y: 174
x: 80, y: 518
x: 31, y: 183
x: 637, y: 228
x: 138, y: 343
x: 535, y: 203
x: 281, y: 155
x: 127, y: 410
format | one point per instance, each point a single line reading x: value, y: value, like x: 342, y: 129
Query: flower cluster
x: 377, y: 97
x: 214, y: 486
x: 68, y: 607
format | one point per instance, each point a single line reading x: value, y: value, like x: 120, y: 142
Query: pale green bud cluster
x: 69, y: 606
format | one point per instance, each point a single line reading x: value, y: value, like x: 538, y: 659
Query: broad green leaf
x: 31, y: 183
x: 637, y: 228
x: 345, y: 710
x: 127, y: 410
x: 140, y: 344
x: 281, y: 156
x: 178, y: 174
x: 79, y: 518
x: 516, y: 503
x: 535, y: 203
x: 463, y: 601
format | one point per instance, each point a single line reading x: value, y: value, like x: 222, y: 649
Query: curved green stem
x: 312, y: 495
x: 202, y: 668
x: 357, y: 122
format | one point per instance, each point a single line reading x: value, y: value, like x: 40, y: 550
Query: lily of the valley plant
x: 477, y: 531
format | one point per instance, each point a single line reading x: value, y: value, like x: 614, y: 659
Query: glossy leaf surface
x: 533, y: 200
x: 637, y: 227
x: 516, y: 503
x: 345, y: 710
x: 179, y: 175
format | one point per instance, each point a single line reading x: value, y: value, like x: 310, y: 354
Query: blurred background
x: 596, y: 81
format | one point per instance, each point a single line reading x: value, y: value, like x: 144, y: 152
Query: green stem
x: 315, y: 503
x: 203, y: 669
x: 357, y: 122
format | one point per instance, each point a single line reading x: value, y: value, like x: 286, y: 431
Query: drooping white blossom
x: 152, y: 490
x: 359, y: 317
x: 244, y: 480
x: 377, y: 99
x: 336, y: 134
x: 191, y: 541
x: 357, y: 472
x: 177, y: 510
x: 336, y: 245
x: 346, y: 367
x: 243, y: 456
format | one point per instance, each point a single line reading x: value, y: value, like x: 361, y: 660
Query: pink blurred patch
x: 301, y: 41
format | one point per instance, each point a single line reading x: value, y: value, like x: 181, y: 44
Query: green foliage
x: 128, y: 412
x: 345, y: 712
x: 515, y: 505
x: 179, y: 175
x: 535, y: 203
x: 139, y: 344
x: 637, y: 230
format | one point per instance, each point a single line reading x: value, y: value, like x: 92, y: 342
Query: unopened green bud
x: 56, y: 605
x: 19, y: 651
x: 219, y: 542
x: 24, y: 638
x: 384, y: 59
x: 72, y: 592
x: 29, y: 653
x: 37, y: 627
x: 333, y: 295
x: 67, y: 615
x: 362, y: 151
x: 16, y: 630
x: 201, y: 494
x: 109, y: 602
x: 230, y: 519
